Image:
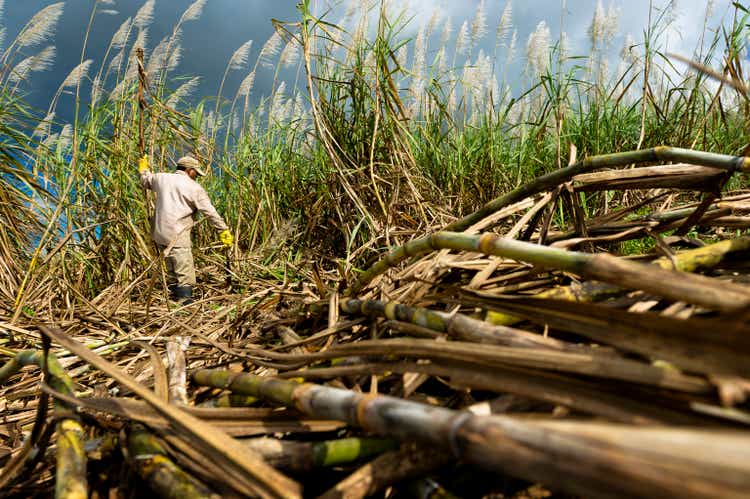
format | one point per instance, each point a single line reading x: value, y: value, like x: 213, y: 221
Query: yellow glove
x: 143, y: 164
x: 226, y: 238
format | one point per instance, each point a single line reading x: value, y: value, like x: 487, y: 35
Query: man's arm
x: 204, y: 206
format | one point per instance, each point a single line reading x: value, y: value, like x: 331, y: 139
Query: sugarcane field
x: 374, y: 248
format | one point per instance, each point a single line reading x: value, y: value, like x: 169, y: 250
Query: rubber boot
x: 184, y: 294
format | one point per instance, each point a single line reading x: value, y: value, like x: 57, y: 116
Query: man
x: 179, y: 198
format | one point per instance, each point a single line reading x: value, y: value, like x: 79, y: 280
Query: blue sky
x: 226, y: 24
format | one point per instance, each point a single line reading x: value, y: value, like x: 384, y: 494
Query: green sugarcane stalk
x: 557, y: 177
x: 582, y: 458
x: 456, y: 325
x: 705, y: 257
x: 153, y: 464
x: 305, y: 456
x: 70, y: 472
x: 678, y: 286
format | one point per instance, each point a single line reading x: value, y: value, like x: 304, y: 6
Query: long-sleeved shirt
x: 178, y: 199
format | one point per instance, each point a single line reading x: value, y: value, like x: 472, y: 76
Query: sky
x: 226, y: 24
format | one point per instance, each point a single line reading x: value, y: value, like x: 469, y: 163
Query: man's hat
x: 190, y: 162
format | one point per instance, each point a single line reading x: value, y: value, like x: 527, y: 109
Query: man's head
x: 191, y: 166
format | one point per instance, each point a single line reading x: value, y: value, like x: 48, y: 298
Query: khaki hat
x: 191, y: 162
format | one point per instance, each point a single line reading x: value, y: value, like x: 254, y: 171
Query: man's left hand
x: 226, y: 238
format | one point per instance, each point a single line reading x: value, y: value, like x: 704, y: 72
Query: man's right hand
x: 143, y: 164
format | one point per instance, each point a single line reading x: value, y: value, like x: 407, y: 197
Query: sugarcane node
x: 361, y: 411
x: 300, y: 397
x: 487, y: 241
x: 455, y: 426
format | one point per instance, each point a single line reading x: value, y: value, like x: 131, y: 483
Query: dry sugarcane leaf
x: 259, y: 478
x: 161, y: 385
x: 679, y: 176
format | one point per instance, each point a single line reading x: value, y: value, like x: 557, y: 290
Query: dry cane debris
x: 506, y: 355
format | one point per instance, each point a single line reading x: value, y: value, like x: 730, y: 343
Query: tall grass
x: 368, y: 134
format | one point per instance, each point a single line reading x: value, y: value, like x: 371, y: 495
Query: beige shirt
x: 178, y: 200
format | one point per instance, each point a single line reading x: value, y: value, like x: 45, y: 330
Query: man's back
x: 178, y: 198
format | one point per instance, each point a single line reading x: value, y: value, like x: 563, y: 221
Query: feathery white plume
x: 66, y: 137
x: 108, y: 12
x: 290, y: 54
x: 442, y: 60
x: 610, y: 24
x: 596, y: 28
x: 145, y: 14
x: 270, y: 49
x: 462, y: 38
x: 247, y: 85
x: 160, y: 60
x: 140, y: 42
x: 277, y: 103
x: 402, y: 55
x: 193, y: 12
x: 39, y: 62
x: 479, y: 25
x: 445, y: 35
x: 239, y: 58
x: 77, y: 74
x: 41, y: 27
x: 505, y: 24
x: 183, y: 92
x: 116, y: 62
x: 3, y: 32
x: 512, y: 48
x: 120, y: 38
x: 419, y: 62
x: 51, y: 140
x: 44, y: 127
x: 432, y: 23
x: 537, y: 48
x: 2, y: 8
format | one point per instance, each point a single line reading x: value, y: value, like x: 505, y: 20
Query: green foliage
x: 359, y: 143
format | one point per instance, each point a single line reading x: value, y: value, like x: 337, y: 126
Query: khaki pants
x: 180, y: 268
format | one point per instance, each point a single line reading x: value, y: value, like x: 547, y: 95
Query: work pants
x: 180, y: 268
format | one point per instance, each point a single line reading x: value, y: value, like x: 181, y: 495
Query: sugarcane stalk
x: 678, y: 286
x: 456, y: 325
x: 305, y: 456
x: 70, y: 472
x: 153, y: 464
x: 557, y: 177
x: 705, y: 257
x: 577, y: 457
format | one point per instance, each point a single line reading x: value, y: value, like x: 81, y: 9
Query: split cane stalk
x: 70, y: 482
